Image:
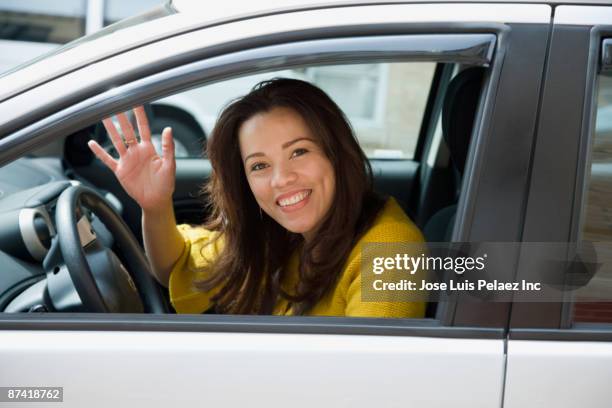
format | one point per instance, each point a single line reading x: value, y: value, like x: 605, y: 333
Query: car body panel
x: 237, y: 369
x: 559, y: 374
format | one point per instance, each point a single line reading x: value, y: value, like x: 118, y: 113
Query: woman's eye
x: 258, y: 166
x: 299, y: 152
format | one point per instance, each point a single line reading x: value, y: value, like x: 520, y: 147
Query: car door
x: 455, y: 356
x: 560, y: 348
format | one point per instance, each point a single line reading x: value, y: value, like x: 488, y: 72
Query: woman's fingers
x: 167, y: 146
x: 143, y: 124
x: 114, y: 136
x: 103, y: 155
x: 127, y: 130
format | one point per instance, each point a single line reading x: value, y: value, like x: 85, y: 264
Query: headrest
x: 458, y: 112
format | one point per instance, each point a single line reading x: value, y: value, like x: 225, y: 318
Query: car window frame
x: 495, y: 217
x: 82, y: 113
x: 181, y: 24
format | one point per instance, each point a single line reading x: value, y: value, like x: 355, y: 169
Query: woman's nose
x: 282, y: 176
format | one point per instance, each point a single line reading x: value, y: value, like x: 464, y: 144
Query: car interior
x: 427, y: 186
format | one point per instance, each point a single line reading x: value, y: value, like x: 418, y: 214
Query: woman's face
x: 290, y: 176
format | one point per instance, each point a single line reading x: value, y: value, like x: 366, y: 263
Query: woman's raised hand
x: 148, y: 178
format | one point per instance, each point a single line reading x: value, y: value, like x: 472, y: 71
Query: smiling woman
x: 288, y: 171
x: 291, y: 206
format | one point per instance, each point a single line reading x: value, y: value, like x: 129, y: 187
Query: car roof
x: 179, y: 16
x: 233, y: 7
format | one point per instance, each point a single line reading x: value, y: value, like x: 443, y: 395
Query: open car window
x: 395, y: 107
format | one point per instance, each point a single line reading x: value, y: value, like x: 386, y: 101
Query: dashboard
x: 29, y: 188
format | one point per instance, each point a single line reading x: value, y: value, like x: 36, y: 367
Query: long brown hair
x: 256, y: 248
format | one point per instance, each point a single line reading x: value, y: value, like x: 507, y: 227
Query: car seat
x: 458, y: 113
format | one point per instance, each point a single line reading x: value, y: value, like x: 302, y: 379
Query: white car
x: 479, y: 117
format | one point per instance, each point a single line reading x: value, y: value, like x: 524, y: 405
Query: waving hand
x: 148, y: 178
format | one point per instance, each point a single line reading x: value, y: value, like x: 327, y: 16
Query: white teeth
x: 294, y: 199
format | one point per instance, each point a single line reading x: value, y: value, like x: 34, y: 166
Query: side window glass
x: 596, y: 306
x: 384, y: 103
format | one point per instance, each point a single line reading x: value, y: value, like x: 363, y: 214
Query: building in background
x: 29, y: 28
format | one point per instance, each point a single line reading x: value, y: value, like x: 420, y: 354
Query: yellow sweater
x: 391, y: 225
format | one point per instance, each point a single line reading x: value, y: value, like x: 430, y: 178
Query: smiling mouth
x: 294, y: 199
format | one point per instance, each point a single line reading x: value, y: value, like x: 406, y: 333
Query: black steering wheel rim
x: 75, y: 259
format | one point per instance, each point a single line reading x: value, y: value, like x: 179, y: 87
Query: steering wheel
x: 101, y: 280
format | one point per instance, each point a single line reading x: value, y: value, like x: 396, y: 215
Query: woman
x: 291, y: 205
